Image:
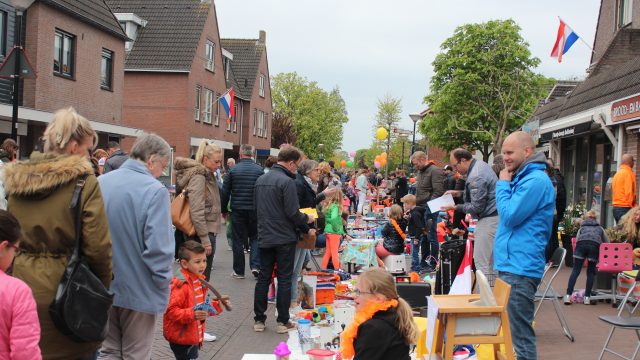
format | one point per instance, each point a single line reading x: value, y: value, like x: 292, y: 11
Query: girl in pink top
x: 19, y: 326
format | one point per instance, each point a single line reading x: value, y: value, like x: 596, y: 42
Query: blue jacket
x: 525, y: 207
x: 239, y: 184
x: 137, y: 207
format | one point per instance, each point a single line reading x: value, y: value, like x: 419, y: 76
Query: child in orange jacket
x: 184, y: 320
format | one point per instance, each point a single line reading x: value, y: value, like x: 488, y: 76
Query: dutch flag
x: 462, y: 282
x: 227, y: 102
x: 565, y: 39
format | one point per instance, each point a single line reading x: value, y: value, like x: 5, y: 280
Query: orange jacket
x: 625, y: 191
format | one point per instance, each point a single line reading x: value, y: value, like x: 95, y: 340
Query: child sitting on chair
x: 589, y: 238
x: 393, y: 235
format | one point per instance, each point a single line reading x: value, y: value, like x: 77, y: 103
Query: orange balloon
x: 383, y: 161
x: 378, y: 158
x: 343, y: 163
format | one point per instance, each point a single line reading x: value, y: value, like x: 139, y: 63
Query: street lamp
x: 321, y: 148
x: 415, y: 117
x: 20, y: 6
x: 403, y: 137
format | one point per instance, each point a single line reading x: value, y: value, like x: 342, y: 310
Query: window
x: 235, y: 118
x: 217, y: 109
x: 623, y: 12
x: 3, y: 33
x: 106, y: 69
x: 265, y: 123
x: 208, y: 104
x: 255, y: 121
x: 63, y: 56
x: 260, y: 123
x: 198, y: 91
x: 261, y: 93
x: 209, y: 56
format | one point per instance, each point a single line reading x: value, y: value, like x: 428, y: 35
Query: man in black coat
x: 239, y: 187
x: 116, y: 157
x: 279, y: 216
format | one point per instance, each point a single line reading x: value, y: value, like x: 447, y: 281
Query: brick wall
x: 48, y: 92
x: 261, y: 104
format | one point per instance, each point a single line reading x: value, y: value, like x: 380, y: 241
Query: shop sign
x: 566, y: 132
x: 627, y: 109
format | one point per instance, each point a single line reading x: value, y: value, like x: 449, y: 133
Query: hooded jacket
x: 204, y: 196
x: 429, y: 184
x: 392, y: 241
x: 115, y: 160
x: 590, y: 230
x: 526, y: 207
x: 40, y: 191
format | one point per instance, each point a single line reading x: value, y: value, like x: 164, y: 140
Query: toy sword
x: 223, y: 299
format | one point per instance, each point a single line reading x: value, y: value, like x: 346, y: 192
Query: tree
x: 483, y: 87
x: 388, y: 115
x: 317, y: 116
x: 281, y: 131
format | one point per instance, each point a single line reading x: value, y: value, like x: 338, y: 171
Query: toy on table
x: 212, y: 307
x: 282, y: 351
x: 321, y: 354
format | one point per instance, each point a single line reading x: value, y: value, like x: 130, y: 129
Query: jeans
x: 283, y: 256
x: 245, y: 224
x: 184, y: 352
x: 415, y: 254
x: 429, y: 242
x: 584, y: 250
x: 619, y: 212
x: 520, y: 309
x: 298, y: 262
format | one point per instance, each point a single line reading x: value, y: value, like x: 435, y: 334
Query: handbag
x: 80, y: 308
x: 181, y: 214
x: 307, y: 241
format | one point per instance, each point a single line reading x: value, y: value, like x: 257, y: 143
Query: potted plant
x: 568, y: 227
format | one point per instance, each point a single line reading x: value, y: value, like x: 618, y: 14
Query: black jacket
x: 115, y: 160
x: 402, y: 187
x: 239, y: 185
x: 379, y: 338
x: 277, y: 208
x: 308, y: 199
x: 392, y: 241
x: 416, y: 222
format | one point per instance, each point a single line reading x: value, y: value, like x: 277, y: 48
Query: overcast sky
x: 369, y: 48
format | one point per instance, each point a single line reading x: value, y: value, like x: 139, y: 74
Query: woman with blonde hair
x: 40, y: 191
x: 383, y: 326
x: 197, y: 178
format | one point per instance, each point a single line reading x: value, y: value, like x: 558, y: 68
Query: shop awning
x: 27, y: 114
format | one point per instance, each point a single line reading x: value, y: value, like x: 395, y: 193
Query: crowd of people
x: 127, y: 239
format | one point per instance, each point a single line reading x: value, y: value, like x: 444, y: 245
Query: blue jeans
x: 619, y: 212
x: 298, y: 262
x: 429, y: 242
x: 584, y: 250
x: 521, y: 309
x: 415, y: 254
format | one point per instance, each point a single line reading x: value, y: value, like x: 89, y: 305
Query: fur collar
x: 43, y: 173
x: 187, y: 168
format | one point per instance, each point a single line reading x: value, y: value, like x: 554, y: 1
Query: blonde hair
x: 67, y: 126
x: 395, y: 212
x: 409, y: 199
x: 335, y: 199
x: 629, y: 226
x: 379, y: 281
x: 591, y: 214
x: 207, y: 149
x: 324, y: 167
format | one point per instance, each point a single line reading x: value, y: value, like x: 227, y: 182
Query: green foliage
x: 483, y: 87
x: 317, y: 116
x: 388, y: 115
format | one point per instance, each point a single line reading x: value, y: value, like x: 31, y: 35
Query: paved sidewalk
x: 236, y: 337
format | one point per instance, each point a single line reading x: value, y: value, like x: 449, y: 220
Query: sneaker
x: 567, y: 299
x: 258, y: 326
x: 587, y: 300
x: 284, y: 328
x: 237, y: 276
x: 255, y: 272
x: 210, y: 337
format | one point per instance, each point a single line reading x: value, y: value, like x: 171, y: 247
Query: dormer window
x: 209, y: 56
x: 131, y: 24
x: 623, y: 13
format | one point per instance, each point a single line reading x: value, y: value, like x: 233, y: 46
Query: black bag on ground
x: 414, y: 293
x: 451, y: 255
x: 81, y: 305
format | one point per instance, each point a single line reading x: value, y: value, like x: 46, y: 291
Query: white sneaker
x: 293, y: 312
x: 587, y: 300
x: 567, y: 299
x: 210, y: 337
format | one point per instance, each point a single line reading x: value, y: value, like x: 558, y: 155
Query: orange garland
x: 395, y: 226
x: 349, y: 334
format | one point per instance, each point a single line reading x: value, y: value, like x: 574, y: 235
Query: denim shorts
x: 587, y: 250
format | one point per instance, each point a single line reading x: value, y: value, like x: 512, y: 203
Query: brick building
x: 588, y: 130
x: 176, y: 70
x: 76, y: 48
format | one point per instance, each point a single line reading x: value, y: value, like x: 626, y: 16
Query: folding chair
x: 547, y: 292
x: 618, y: 321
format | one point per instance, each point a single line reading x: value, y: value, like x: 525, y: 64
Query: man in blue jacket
x: 525, y: 199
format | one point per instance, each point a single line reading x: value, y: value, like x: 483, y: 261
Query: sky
x: 370, y: 48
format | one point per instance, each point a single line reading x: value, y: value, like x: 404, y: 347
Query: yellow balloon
x: 381, y: 133
x: 383, y: 155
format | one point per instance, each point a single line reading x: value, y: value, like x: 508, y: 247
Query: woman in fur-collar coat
x: 40, y: 192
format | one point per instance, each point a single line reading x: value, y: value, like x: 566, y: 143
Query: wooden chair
x: 454, y: 307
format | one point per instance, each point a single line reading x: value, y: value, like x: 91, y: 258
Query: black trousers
x: 282, y: 256
x: 245, y: 226
x: 184, y: 352
x: 552, y: 245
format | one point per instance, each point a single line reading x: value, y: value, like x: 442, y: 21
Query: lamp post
x: 321, y: 148
x: 20, y: 6
x: 415, y: 117
x: 404, y: 139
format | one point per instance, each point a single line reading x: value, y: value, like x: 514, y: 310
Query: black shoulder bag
x: 81, y: 305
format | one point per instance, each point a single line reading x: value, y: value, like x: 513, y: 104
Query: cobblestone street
x: 234, y: 329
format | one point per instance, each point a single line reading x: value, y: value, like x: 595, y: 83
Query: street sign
x: 399, y: 131
x: 7, y: 68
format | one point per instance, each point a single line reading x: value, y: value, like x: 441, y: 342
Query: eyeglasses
x: 359, y: 293
x: 16, y: 248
